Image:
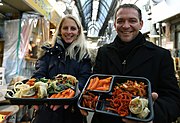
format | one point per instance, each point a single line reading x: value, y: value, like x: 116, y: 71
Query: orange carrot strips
x: 90, y: 83
x: 96, y: 81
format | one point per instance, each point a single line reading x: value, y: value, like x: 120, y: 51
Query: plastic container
x: 103, y: 103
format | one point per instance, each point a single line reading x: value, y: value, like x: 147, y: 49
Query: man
x: 131, y: 55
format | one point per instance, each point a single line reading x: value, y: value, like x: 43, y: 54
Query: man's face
x: 127, y: 24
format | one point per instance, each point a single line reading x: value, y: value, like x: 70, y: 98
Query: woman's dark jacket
x: 53, y: 63
x: 144, y: 59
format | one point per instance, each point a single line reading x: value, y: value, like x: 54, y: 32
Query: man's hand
x: 154, y: 97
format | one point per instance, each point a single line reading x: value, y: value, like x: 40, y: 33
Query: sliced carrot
x: 53, y: 96
x: 30, y: 83
x: 101, y: 88
x: 58, y: 95
x: 71, y: 94
x: 106, y: 85
x: 90, y: 83
x: 109, y: 78
x: 106, y: 80
x: 32, y: 80
x: 65, y: 91
x: 96, y: 81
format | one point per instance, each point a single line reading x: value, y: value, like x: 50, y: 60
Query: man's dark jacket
x: 144, y: 59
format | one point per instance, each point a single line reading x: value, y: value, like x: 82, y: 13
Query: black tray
x: 40, y: 101
x: 102, y: 103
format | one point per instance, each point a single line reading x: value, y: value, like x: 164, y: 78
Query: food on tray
x: 68, y: 93
x: 99, y: 84
x: 22, y: 90
x: 17, y: 79
x: 62, y: 84
x: 137, y: 89
x: 139, y: 106
x: 127, y: 96
x: 119, y: 102
x: 122, y: 100
x: 65, y: 78
x: 89, y: 100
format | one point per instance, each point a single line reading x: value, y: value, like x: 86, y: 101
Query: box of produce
x: 63, y: 89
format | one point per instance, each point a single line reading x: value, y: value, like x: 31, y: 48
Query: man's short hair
x: 130, y: 6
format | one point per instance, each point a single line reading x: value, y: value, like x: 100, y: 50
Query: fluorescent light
x: 95, y: 9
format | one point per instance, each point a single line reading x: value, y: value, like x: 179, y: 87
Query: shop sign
x: 55, y: 18
x: 44, y: 8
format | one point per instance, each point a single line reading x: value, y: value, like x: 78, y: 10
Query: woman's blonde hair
x: 79, y: 46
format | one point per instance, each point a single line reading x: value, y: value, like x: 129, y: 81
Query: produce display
x: 44, y: 90
x: 127, y: 96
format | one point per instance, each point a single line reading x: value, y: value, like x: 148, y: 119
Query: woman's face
x: 69, y: 30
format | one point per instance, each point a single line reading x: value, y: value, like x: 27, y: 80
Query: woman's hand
x: 154, y: 97
x: 55, y: 107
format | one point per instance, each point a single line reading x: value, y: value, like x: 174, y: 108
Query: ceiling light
x: 1, y: 3
x: 95, y: 9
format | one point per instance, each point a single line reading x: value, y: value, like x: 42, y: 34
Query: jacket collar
x: 134, y: 60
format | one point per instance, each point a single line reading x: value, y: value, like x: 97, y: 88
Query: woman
x: 69, y: 55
